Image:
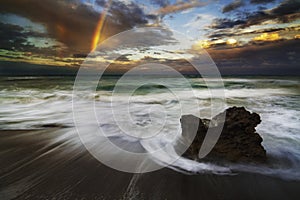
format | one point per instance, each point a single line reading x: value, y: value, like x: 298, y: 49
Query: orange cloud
x: 268, y: 37
x: 201, y: 44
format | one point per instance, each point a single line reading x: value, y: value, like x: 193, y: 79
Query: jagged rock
x: 238, y: 142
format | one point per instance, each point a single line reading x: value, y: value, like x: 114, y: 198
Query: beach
x: 35, y: 165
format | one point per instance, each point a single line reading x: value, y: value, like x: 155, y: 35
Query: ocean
x: 35, y: 103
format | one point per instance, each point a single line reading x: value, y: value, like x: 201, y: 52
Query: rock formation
x: 238, y: 142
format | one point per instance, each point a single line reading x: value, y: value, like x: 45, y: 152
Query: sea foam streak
x: 28, y: 104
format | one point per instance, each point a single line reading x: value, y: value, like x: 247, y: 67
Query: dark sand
x: 48, y: 164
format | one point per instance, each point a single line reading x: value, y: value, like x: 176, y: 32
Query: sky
x: 241, y: 36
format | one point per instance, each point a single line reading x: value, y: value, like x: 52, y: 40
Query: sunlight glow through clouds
x: 268, y: 37
x: 231, y: 41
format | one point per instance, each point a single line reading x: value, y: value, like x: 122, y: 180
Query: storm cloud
x: 14, y: 38
x: 285, y: 12
x: 269, y: 58
x: 73, y: 23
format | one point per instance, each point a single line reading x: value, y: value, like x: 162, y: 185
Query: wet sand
x: 51, y: 163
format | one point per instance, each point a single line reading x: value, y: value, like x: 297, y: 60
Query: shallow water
x: 39, y: 102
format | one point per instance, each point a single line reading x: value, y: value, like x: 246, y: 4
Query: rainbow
x: 99, y: 27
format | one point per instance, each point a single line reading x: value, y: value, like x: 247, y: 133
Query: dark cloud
x: 79, y: 55
x: 230, y: 33
x: 64, y: 23
x: 127, y: 15
x: 269, y: 58
x: 73, y: 23
x: 261, y: 1
x: 286, y: 7
x: 224, y: 23
x: 255, y: 18
x: 287, y: 11
x: 10, y: 34
x: 28, y: 69
x: 233, y: 6
x: 216, y: 35
x: 14, y: 38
